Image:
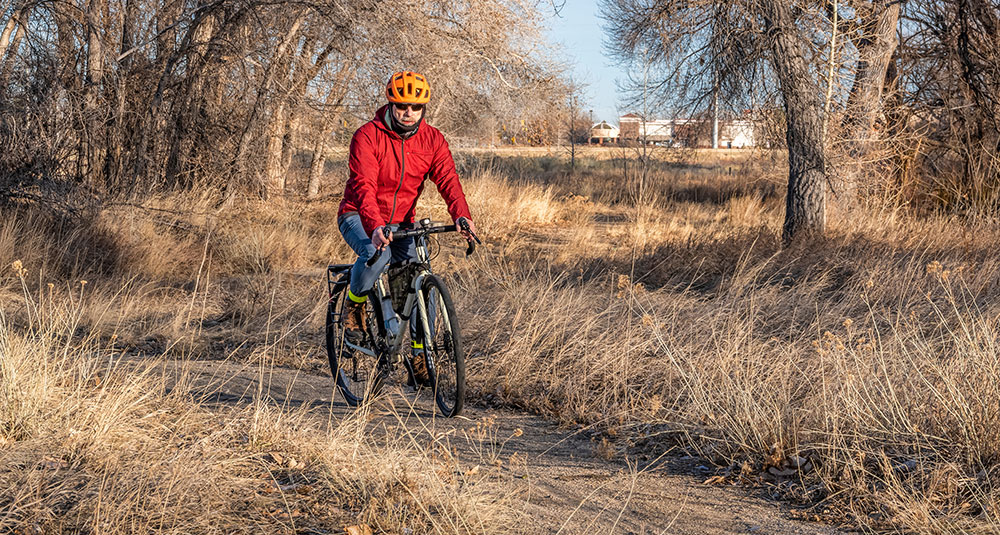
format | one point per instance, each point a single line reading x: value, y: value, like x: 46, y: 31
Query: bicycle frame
x: 361, y: 362
x: 391, y: 320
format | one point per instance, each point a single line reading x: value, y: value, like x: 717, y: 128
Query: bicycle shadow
x: 221, y: 382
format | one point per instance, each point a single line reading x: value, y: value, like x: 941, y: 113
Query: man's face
x: 407, y: 114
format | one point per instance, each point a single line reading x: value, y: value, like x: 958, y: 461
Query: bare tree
x: 805, y: 201
x: 330, y: 113
x: 155, y: 94
x: 710, y: 48
x: 947, y: 114
x: 872, y: 42
x: 576, y: 128
x: 19, y: 18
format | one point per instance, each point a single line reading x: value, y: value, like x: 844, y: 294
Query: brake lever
x: 465, y: 227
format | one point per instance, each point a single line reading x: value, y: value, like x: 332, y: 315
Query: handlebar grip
x: 378, y: 252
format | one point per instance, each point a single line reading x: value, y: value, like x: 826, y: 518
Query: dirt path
x: 568, y: 487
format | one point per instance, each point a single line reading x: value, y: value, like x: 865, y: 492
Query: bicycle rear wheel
x: 356, y: 369
x: 443, y: 345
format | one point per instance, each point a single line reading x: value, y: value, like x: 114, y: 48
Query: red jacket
x: 387, y: 174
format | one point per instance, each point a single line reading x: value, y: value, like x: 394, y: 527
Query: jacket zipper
x: 402, y: 173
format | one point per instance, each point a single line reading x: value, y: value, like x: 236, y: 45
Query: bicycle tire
x: 446, y: 359
x: 358, y: 376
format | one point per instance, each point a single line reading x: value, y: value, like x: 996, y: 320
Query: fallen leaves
x: 279, y: 459
x: 777, y: 464
x: 297, y: 488
x: 282, y: 514
x: 715, y: 480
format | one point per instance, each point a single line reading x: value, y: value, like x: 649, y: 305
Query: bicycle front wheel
x: 353, y: 364
x: 443, y: 345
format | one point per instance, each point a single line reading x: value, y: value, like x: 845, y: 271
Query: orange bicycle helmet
x: 408, y: 87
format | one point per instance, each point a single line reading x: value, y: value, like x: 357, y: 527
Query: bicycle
x: 360, y: 368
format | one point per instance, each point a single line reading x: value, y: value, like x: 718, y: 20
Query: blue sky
x: 578, y: 30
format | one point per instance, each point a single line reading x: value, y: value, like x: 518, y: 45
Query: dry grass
x: 94, y: 442
x: 93, y: 446
x: 105, y: 429
x: 871, y: 353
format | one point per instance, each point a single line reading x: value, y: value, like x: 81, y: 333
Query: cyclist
x: 390, y: 157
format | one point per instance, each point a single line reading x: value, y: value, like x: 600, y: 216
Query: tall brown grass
x: 869, y: 356
x: 91, y: 444
x: 856, y: 373
x: 105, y: 426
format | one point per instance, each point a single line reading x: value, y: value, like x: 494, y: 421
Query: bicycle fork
x: 422, y: 308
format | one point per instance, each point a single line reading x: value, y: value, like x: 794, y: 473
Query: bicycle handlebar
x: 409, y: 233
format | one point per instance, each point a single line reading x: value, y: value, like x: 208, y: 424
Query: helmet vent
x: 408, y: 87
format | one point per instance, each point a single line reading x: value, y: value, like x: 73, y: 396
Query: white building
x: 736, y: 134
x: 733, y: 134
x: 634, y: 127
x: 603, y: 132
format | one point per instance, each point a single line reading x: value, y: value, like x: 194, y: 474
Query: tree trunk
x: 128, y: 22
x: 875, y: 46
x: 8, y: 59
x: 166, y: 32
x: 319, y: 157
x: 95, y: 75
x: 5, y: 35
x: 66, y: 46
x: 273, y: 175
x: 308, y: 63
x: 805, y: 202
x: 290, y: 140
x: 186, y: 145
x: 345, y: 73
x: 273, y: 70
x: 123, y: 125
x: 95, y: 53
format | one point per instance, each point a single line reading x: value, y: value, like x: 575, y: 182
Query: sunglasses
x: 414, y: 107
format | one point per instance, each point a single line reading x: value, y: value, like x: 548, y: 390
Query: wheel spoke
x: 350, y: 368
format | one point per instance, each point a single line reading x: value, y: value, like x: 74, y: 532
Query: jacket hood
x: 379, y: 119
